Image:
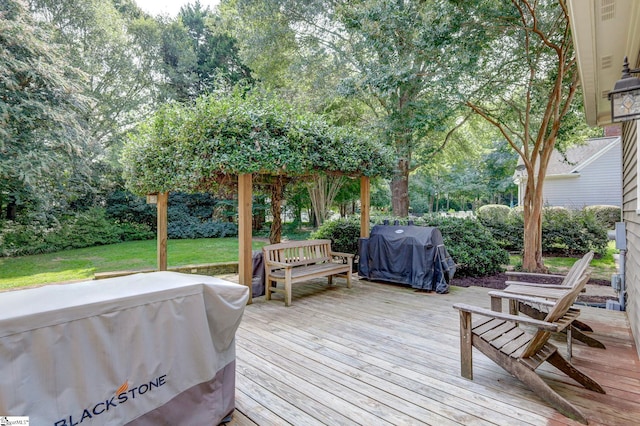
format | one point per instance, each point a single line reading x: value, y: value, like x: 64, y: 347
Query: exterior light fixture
x: 625, y: 96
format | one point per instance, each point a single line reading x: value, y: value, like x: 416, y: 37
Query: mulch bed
x: 497, y: 282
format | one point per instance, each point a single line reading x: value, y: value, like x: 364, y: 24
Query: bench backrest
x: 303, y: 252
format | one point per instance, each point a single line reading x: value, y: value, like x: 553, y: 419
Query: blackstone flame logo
x: 124, y: 394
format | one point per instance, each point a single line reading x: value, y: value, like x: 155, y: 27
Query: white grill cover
x: 156, y: 348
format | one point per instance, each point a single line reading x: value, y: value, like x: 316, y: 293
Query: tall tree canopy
x: 42, y: 131
x: 199, y: 56
x: 393, y: 56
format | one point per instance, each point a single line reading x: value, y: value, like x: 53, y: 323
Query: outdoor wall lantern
x: 625, y: 96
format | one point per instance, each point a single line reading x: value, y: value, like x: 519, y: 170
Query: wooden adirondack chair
x: 549, y: 292
x: 499, y: 337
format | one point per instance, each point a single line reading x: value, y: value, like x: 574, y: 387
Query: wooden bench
x: 298, y: 261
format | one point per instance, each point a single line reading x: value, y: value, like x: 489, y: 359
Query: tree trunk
x: 532, y: 243
x: 12, y: 209
x: 277, y: 189
x: 400, y: 190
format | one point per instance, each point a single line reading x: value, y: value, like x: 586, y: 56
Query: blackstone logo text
x: 123, y: 395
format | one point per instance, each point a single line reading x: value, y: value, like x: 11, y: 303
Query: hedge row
x: 564, y: 232
x: 90, y: 228
x: 470, y: 244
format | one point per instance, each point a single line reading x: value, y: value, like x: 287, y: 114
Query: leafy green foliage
x: 43, y: 153
x: 564, y: 232
x: 192, y: 148
x: 470, y: 245
x: 86, y: 229
x: 343, y: 233
x: 607, y: 215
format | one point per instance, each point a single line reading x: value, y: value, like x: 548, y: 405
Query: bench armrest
x: 278, y: 264
x: 340, y: 254
x: 543, y: 325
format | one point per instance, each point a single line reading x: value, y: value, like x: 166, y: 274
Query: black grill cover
x: 413, y: 255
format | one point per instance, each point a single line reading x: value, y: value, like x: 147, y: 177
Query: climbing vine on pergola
x: 223, y: 139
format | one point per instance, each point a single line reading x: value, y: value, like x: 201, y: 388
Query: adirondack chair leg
x: 544, y: 391
x: 466, y: 349
x: 496, y: 304
x: 578, y: 329
x: 569, y: 333
x: 570, y: 370
x: 513, y: 307
x: 582, y: 326
x: 529, y: 311
x: 586, y: 339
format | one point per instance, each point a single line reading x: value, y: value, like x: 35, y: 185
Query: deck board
x: 380, y: 354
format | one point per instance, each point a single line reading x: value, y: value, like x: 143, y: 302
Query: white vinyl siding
x: 597, y: 183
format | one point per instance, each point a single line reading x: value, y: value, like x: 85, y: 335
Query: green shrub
x: 504, y: 224
x: 470, y: 245
x: 607, y: 215
x: 343, y: 233
x: 564, y: 232
x: 570, y: 232
x: 467, y: 241
x: 89, y: 228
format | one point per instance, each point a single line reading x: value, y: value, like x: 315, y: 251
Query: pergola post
x: 245, y: 263
x: 365, y: 206
x: 163, y: 198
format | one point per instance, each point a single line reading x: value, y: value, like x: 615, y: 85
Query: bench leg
x: 267, y: 289
x: 330, y: 279
x: 287, y: 288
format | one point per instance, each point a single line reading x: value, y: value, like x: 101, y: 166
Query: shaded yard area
x: 386, y: 354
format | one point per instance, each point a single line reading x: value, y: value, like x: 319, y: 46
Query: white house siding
x: 630, y: 209
x: 596, y: 183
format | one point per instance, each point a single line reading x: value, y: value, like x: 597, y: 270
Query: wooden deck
x: 385, y: 354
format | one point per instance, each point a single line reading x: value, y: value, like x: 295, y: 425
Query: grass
x: 602, y: 267
x: 82, y: 263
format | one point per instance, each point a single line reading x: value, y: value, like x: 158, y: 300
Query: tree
x: 199, y: 56
x: 42, y: 132
x: 529, y: 81
x: 391, y: 56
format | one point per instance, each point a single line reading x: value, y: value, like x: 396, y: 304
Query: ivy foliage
x: 194, y: 147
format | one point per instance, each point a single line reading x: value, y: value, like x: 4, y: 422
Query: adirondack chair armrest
x: 524, y: 283
x: 533, y: 275
x: 542, y: 325
x: 521, y: 298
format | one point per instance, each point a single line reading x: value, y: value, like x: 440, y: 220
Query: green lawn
x: 81, y: 264
x: 602, y: 268
x: 134, y: 255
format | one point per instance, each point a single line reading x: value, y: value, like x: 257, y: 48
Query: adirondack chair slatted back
x: 560, y: 308
x: 577, y: 269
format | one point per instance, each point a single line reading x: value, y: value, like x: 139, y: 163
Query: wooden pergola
x: 245, y: 197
